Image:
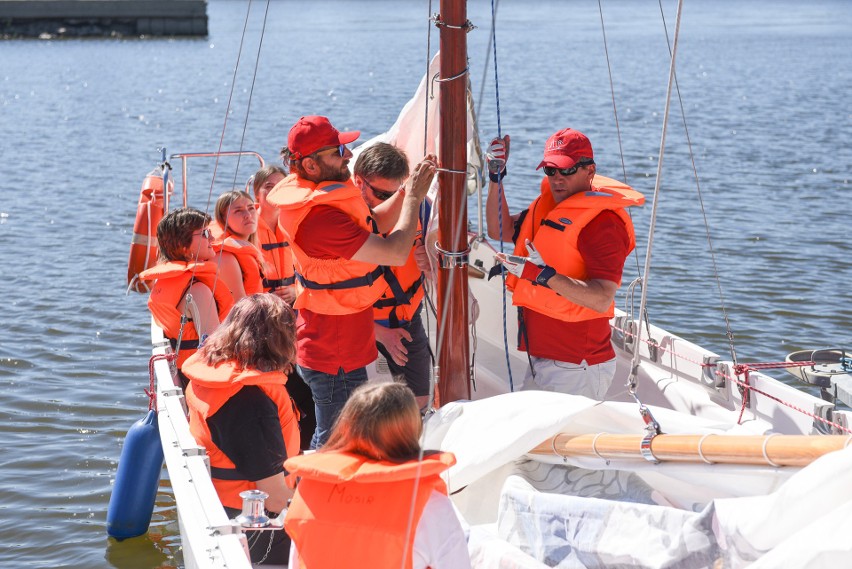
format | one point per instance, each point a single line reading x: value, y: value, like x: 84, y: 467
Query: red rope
x: 744, y: 369
x: 151, y: 392
x: 748, y: 387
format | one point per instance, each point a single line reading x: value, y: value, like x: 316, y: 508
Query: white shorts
x: 564, y: 377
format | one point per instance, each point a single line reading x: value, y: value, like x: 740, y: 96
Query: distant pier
x: 102, y: 18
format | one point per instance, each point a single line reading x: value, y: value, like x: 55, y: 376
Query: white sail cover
x: 528, y: 512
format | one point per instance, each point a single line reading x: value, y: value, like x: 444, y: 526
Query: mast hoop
x: 436, y: 79
x: 701, y: 454
x: 766, y: 456
x: 439, y: 23
x: 556, y: 452
x: 595, y: 449
x: 451, y: 171
x: 451, y: 259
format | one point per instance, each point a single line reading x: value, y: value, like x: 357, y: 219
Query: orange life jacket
x: 554, y: 230
x: 209, y: 389
x: 391, y: 310
x: 249, y: 258
x: 172, y: 283
x: 328, y: 286
x: 349, y: 511
x: 278, y: 266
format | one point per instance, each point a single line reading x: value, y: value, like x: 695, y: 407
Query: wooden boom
x: 771, y: 450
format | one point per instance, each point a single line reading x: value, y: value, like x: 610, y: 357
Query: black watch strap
x: 545, y: 275
x: 497, y: 176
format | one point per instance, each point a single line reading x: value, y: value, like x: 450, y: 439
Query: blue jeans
x: 330, y: 392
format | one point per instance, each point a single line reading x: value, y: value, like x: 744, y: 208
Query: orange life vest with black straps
x: 554, y: 230
x: 275, y: 247
x: 172, y: 283
x: 392, y: 311
x: 328, y: 286
x: 249, y: 258
x: 209, y: 389
x: 361, y: 506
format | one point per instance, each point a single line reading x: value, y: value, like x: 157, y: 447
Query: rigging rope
x: 409, y: 529
x: 739, y: 369
x: 634, y: 366
x: 728, y: 331
x: 219, y: 151
x: 492, y: 42
x: 615, y: 115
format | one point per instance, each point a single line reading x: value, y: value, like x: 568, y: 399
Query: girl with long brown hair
x: 241, y: 413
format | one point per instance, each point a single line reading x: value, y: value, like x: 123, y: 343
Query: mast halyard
x: 453, y: 342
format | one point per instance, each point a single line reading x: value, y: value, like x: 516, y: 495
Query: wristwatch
x: 545, y: 275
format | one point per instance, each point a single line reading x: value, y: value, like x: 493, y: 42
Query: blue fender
x: 132, y: 501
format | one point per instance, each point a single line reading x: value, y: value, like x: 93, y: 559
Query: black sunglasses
x: 205, y: 233
x: 551, y: 171
x: 341, y: 150
x: 380, y: 194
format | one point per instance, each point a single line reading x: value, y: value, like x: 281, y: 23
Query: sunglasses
x: 551, y: 171
x: 204, y: 233
x: 380, y: 194
x: 341, y: 150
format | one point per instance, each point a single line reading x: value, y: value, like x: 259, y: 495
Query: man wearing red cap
x: 570, y: 247
x: 340, y: 260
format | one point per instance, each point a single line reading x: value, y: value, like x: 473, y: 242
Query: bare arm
x: 495, y: 203
x: 393, y: 250
x: 597, y: 294
x: 202, y: 309
x: 231, y: 275
x: 386, y: 214
x: 278, y: 491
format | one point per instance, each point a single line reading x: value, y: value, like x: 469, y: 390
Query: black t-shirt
x: 247, y: 429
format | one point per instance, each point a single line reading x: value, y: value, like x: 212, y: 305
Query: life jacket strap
x: 272, y: 284
x: 273, y: 246
x: 355, y: 282
x: 184, y: 344
x: 409, y: 294
x: 553, y: 224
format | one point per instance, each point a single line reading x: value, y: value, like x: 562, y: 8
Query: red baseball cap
x: 309, y: 134
x: 566, y: 148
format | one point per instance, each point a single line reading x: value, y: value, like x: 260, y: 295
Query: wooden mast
x: 453, y: 343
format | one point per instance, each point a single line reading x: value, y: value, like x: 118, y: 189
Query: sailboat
x: 701, y: 462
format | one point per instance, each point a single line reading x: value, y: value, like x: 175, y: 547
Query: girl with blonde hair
x: 273, y: 243
x: 241, y: 265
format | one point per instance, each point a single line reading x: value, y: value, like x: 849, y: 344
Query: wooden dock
x: 48, y: 19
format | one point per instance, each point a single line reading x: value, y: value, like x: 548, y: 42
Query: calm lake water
x: 765, y: 87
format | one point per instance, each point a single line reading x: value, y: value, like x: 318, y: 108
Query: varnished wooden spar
x: 767, y: 450
x: 453, y: 342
